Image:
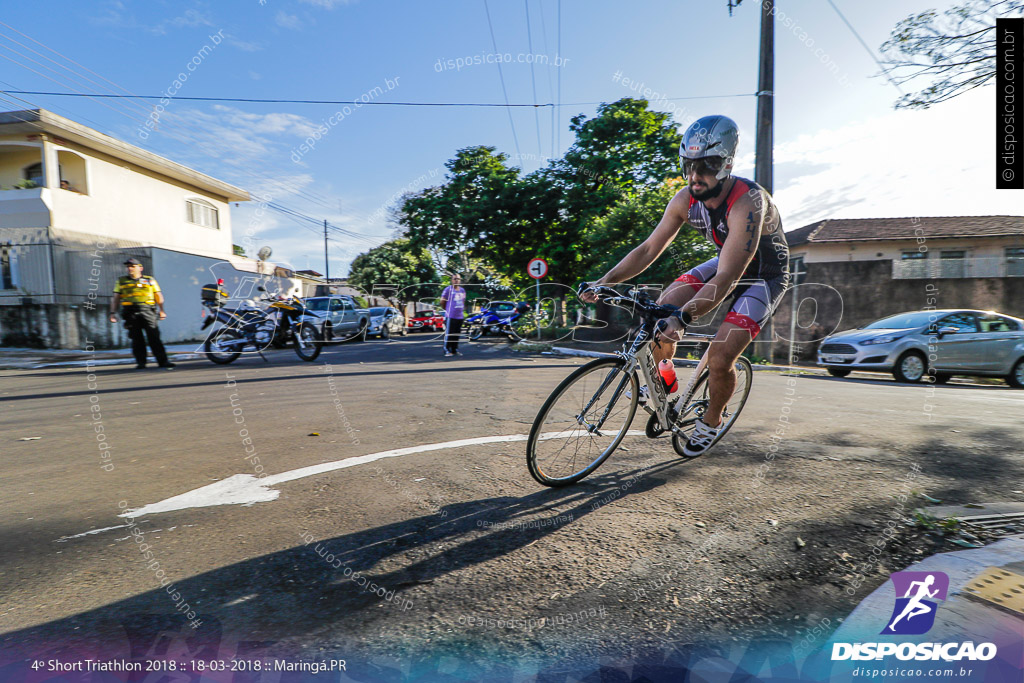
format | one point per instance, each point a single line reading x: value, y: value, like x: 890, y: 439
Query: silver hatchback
x: 939, y: 343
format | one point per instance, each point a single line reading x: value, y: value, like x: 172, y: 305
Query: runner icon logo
x: 917, y: 596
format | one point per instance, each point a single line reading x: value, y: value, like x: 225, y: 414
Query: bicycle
x: 575, y: 411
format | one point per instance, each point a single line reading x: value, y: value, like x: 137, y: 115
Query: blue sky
x: 841, y: 150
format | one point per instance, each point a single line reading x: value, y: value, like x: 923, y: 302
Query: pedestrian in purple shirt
x: 453, y: 302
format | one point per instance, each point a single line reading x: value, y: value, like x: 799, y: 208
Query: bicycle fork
x: 581, y: 417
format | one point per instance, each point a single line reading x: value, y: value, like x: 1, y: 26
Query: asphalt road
x: 472, y: 554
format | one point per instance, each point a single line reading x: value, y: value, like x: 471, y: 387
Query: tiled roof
x: 931, y: 227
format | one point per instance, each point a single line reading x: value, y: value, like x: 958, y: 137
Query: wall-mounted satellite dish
x: 264, y: 253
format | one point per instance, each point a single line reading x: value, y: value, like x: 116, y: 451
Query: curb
x: 680, y: 362
x: 127, y: 359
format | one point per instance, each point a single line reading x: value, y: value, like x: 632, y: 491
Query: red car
x: 429, y: 322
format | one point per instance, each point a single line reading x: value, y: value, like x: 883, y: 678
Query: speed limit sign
x: 537, y: 268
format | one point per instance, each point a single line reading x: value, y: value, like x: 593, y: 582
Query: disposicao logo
x: 914, y: 612
x: 917, y: 594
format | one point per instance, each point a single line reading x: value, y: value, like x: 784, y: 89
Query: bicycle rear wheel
x: 582, y: 422
x: 698, y: 406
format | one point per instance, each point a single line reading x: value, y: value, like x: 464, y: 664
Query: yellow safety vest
x: 133, y: 292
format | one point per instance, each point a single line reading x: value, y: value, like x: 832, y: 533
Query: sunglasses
x: 704, y: 166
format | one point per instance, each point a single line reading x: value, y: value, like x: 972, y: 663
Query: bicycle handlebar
x: 639, y: 300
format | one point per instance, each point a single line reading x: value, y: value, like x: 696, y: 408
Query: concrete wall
x: 60, y: 326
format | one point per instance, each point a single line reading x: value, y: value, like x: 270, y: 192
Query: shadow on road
x: 294, y: 592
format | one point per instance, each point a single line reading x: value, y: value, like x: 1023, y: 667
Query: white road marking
x: 246, y: 489
x: 89, y: 533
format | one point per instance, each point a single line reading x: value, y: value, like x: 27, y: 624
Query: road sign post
x: 537, y: 268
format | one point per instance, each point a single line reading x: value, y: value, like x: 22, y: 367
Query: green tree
x: 396, y: 262
x: 454, y: 220
x: 617, y: 157
x: 955, y: 50
x: 485, y: 212
x: 623, y: 150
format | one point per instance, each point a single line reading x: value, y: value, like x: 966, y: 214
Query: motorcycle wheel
x: 475, y: 332
x: 213, y: 350
x: 308, y: 342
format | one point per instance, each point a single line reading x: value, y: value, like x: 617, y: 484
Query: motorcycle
x: 246, y: 326
x: 491, y: 321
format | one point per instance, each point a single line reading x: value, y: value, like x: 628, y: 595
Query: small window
x: 1015, y: 262
x: 963, y: 322
x: 201, y: 213
x: 997, y: 323
x: 337, y: 305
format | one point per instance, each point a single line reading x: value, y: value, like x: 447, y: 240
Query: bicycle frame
x: 640, y: 359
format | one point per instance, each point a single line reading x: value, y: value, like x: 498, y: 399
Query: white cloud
x: 118, y: 14
x: 328, y: 4
x: 935, y: 162
x: 286, y: 20
x: 243, y: 45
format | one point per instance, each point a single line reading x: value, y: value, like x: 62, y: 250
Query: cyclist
x: 752, y: 264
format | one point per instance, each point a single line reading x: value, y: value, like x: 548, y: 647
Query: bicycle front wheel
x: 698, y: 406
x: 582, y: 422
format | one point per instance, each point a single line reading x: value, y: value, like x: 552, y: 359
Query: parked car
x: 385, y: 321
x: 426, y: 322
x: 338, y: 316
x: 942, y: 343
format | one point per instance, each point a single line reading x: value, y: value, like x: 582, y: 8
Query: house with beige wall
x: 74, y: 203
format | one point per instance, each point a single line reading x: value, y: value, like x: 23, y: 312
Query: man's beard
x: 709, y: 193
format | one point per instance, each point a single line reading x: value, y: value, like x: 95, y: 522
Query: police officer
x: 139, y: 297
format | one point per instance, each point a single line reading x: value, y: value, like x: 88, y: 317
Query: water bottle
x: 667, y: 370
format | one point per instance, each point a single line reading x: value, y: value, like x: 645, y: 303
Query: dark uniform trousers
x: 141, y: 321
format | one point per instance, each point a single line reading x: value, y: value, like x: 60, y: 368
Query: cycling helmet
x: 711, y: 136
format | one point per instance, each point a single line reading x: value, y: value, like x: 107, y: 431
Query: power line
x: 501, y: 77
x: 558, y: 52
x: 388, y: 104
x: 551, y: 92
x: 533, y: 78
x: 865, y: 46
x: 187, y: 135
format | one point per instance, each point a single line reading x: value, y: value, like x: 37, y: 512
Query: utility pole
x: 764, y: 137
x: 765, y: 98
x: 765, y: 94
x: 327, y: 264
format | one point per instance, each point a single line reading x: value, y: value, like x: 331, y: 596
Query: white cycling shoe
x: 642, y: 398
x: 700, y: 439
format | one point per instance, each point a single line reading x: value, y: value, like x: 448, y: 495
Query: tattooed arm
x: 747, y: 219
